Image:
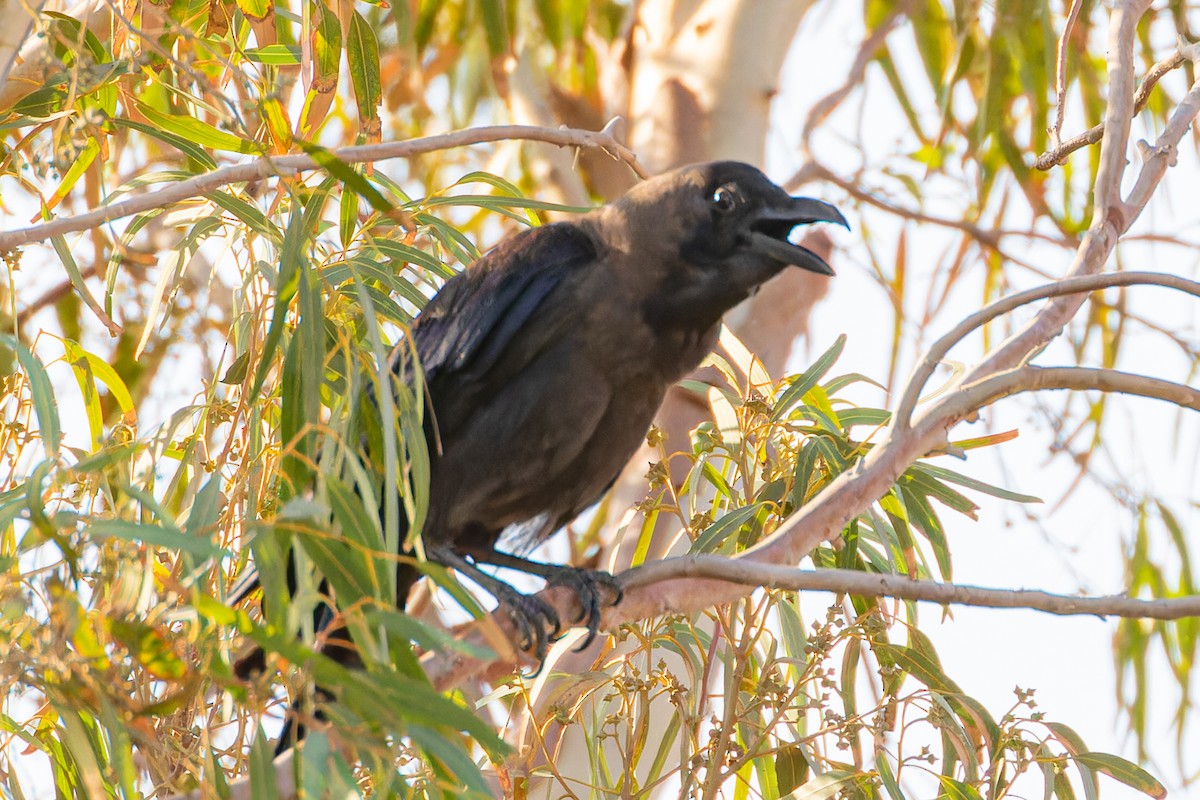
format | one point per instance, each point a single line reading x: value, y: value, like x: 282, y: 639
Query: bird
x: 545, y: 361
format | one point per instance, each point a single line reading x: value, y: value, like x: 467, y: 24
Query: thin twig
x: 1058, y: 154
x: 870, y: 45
x: 1060, y: 72
x: 261, y: 168
x: 989, y: 239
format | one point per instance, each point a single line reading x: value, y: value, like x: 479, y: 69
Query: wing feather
x: 471, y: 322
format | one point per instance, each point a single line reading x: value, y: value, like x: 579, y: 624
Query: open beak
x: 771, y: 226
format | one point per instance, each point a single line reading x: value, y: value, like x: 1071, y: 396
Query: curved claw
x: 536, y: 622
x: 587, y: 585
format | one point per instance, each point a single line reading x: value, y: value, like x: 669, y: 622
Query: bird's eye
x: 724, y: 199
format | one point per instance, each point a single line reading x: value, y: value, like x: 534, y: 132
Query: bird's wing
x: 468, y: 325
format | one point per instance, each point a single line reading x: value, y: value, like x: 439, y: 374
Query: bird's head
x: 728, y: 215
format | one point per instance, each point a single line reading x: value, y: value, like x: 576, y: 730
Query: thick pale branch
x: 1083, y: 283
x: 1118, y: 113
x: 262, y: 168
x: 1157, y: 158
x: 19, y: 21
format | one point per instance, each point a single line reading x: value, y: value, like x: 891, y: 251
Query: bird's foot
x: 536, y: 621
x: 592, y: 587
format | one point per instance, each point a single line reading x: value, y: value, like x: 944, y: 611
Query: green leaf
x: 350, y: 176
x: 950, y: 476
x: 248, y: 214
x: 201, y: 133
x: 276, y: 55
x: 206, y: 510
x: 302, y: 376
x: 68, y: 31
x: 157, y: 535
x: 501, y: 203
x: 327, y: 44
x: 920, y: 666
x: 76, y: 277
x: 255, y: 9
x: 791, y: 768
x: 1074, y: 745
x: 884, y: 770
x: 494, y: 25
x: 407, y: 254
x: 287, y: 281
x: 716, y: 534
x: 45, y: 407
x: 808, y: 379
x: 825, y: 785
x: 107, y: 375
x: 263, y: 780
x: 362, y: 53
x: 79, y: 165
x: 1124, y: 771
x: 957, y: 790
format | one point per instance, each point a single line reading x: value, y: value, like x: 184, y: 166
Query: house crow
x: 546, y: 360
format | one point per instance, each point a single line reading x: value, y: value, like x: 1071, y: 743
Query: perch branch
x: 850, y: 581
x: 840, y: 581
x: 1079, y: 379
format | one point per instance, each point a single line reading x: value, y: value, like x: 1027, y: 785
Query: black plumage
x: 546, y: 360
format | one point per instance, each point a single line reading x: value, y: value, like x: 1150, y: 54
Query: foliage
x: 132, y: 498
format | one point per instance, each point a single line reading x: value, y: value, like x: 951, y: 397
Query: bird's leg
x: 537, y: 623
x: 586, y: 583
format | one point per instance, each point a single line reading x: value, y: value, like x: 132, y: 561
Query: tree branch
x: 1159, y: 157
x: 1060, y: 72
x: 1112, y: 217
x: 19, y: 18
x: 748, y: 576
x: 1077, y: 285
x: 1080, y: 379
x: 1058, y: 154
x: 1118, y: 113
x: 265, y: 167
x: 849, y: 581
x: 870, y: 45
